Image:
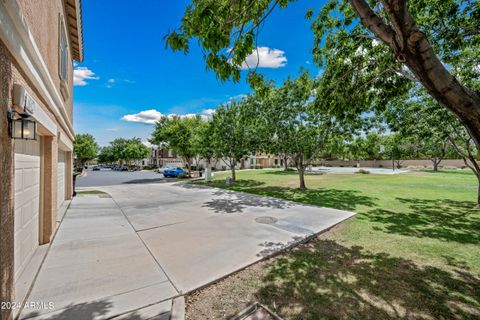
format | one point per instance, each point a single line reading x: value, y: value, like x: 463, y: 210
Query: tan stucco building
x: 39, y: 40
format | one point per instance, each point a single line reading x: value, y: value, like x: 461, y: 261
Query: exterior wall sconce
x: 21, y: 127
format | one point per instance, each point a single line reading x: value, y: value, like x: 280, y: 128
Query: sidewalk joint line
x: 145, y: 245
x: 162, y: 226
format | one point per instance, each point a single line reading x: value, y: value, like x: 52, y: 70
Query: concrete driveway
x: 201, y: 234
x: 153, y: 242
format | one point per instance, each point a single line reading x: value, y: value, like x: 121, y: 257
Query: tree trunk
x: 435, y: 165
x: 189, y: 168
x: 412, y: 48
x: 399, y: 164
x: 478, y: 191
x: 285, y: 163
x: 232, y: 168
x: 301, y: 175
x: 208, y: 172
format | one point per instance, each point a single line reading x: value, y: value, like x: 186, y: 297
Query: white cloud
x: 147, y: 116
x: 80, y: 74
x: 265, y: 57
x: 110, y: 83
x: 152, y: 116
x: 207, y: 113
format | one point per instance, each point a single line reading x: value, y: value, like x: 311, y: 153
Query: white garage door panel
x: 61, y: 178
x: 27, y: 201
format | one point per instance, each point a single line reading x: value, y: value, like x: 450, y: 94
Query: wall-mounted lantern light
x: 20, y: 126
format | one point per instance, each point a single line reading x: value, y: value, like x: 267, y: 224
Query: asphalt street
x: 109, y: 177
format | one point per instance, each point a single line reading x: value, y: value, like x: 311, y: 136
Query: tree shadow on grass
x: 237, y: 185
x: 289, y: 172
x: 441, y: 219
x: 330, y: 198
x: 325, y: 280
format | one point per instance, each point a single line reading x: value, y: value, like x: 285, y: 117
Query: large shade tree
x: 85, y: 148
x: 233, y: 133
x: 106, y: 155
x: 135, y: 150
x: 371, y: 50
x: 203, y: 143
x: 179, y: 134
x: 296, y: 129
x: 424, y: 120
x: 125, y: 150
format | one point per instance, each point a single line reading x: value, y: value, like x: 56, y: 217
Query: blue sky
x: 127, y: 68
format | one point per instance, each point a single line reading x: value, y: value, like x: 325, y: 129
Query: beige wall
x: 43, y: 18
x: 7, y: 272
x: 19, y: 64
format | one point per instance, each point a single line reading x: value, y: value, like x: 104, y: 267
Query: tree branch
x: 373, y: 22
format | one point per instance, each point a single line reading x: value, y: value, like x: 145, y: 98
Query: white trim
x: 64, y: 143
x: 21, y: 97
x: 19, y: 40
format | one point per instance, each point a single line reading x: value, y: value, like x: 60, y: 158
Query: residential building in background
x: 39, y: 41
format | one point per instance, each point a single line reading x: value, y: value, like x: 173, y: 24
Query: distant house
x: 269, y: 161
x: 39, y: 40
x: 162, y: 156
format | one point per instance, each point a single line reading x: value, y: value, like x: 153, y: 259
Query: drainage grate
x: 266, y: 220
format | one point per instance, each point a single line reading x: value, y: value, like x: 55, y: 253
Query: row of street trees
x: 397, y: 58
x: 119, y: 150
x: 124, y: 151
x: 282, y: 121
x: 292, y: 121
x: 371, y: 52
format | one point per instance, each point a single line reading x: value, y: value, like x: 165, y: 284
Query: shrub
x: 182, y: 176
x: 363, y: 171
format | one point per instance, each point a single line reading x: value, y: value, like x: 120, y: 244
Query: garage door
x: 27, y: 201
x: 61, y: 178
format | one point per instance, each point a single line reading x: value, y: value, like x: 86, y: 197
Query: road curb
x: 178, y: 308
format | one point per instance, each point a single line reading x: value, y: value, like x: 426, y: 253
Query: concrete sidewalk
x: 97, y: 268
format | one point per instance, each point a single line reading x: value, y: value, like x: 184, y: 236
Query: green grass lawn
x: 411, y: 252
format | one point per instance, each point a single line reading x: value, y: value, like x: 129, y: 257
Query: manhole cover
x: 266, y: 220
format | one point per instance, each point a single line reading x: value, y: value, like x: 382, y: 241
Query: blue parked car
x: 173, y: 172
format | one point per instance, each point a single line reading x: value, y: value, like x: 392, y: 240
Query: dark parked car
x: 173, y: 172
x: 96, y: 168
